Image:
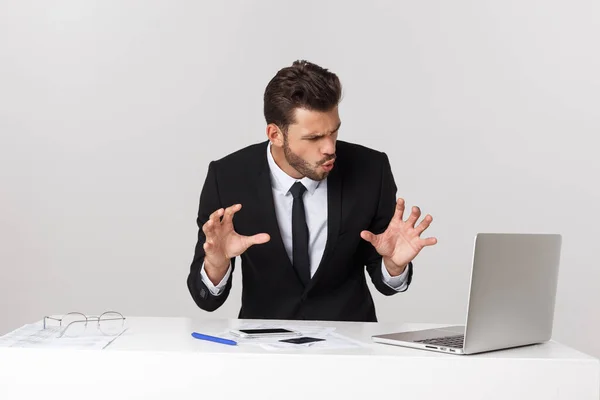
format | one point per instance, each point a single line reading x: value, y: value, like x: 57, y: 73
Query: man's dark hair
x: 302, y: 85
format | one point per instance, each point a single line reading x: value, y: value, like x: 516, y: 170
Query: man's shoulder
x: 353, y: 151
x: 249, y: 156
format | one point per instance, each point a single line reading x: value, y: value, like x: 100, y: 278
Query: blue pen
x: 213, y: 339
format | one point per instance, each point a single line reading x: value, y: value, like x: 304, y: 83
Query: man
x: 305, y: 213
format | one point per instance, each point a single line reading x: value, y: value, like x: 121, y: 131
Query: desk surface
x: 174, y: 335
x: 158, y: 358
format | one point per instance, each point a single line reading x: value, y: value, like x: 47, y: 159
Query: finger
x: 424, y: 224
x: 209, y: 232
x: 229, y: 211
x: 430, y: 241
x: 216, y: 216
x: 259, y: 238
x: 399, y: 212
x: 208, y: 228
x: 369, y: 237
x: 414, y: 216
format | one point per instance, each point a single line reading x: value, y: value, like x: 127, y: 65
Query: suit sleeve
x: 209, y: 202
x: 385, y: 212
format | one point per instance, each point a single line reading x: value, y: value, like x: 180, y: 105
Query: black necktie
x: 300, y: 234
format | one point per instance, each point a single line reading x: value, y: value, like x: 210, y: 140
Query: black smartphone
x: 302, y: 340
x: 264, y: 332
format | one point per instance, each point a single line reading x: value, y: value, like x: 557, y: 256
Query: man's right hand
x: 223, y: 242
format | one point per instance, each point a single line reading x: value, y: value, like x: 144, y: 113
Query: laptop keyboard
x: 447, y: 341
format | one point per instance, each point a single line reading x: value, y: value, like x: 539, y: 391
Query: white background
x: 110, y: 112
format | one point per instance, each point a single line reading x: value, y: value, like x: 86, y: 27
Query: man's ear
x: 275, y: 135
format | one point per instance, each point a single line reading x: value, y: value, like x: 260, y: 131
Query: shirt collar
x: 282, y: 181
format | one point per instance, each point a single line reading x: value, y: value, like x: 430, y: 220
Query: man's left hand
x: 401, y: 241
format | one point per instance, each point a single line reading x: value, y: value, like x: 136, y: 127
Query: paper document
x: 332, y: 340
x: 34, y: 335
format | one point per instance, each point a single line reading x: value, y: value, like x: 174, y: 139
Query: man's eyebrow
x: 315, y: 134
x: 338, y: 127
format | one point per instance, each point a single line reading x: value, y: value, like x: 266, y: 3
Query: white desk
x: 157, y: 358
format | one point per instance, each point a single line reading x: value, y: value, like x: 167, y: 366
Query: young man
x: 305, y: 212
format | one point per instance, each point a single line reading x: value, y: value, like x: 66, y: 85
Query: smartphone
x: 302, y: 340
x: 264, y: 332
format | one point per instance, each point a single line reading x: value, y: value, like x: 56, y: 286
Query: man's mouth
x: 328, y: 165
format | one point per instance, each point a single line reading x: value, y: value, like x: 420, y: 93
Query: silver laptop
x: 511, y: 299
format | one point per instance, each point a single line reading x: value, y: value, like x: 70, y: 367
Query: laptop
x: 511, y: 297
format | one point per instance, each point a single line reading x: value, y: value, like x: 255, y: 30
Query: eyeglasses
x: 76, y: 324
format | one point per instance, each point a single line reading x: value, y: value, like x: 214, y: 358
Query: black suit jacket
x: 361, y: 195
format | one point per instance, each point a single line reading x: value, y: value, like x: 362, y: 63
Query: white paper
x: 332, y: 340
x: 35, y: 336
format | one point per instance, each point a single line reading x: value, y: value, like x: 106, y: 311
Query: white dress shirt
x: 315, y: 206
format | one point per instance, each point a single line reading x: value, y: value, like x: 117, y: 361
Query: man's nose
x: 328, y: 146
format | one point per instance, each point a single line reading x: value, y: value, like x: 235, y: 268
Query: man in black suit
x: 315, y: 212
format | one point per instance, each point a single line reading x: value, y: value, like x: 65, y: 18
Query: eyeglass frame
x: 87, y: 318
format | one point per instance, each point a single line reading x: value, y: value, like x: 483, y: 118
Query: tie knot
x: 297, y: 190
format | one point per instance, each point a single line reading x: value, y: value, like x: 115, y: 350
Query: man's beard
x: 302, y: 166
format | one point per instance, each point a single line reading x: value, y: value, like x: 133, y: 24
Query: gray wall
x: 110, y: 112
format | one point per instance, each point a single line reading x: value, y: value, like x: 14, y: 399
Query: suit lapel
x: 334, y: 217
x: 268, y: 217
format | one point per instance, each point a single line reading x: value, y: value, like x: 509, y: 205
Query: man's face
x: 309, y: 145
